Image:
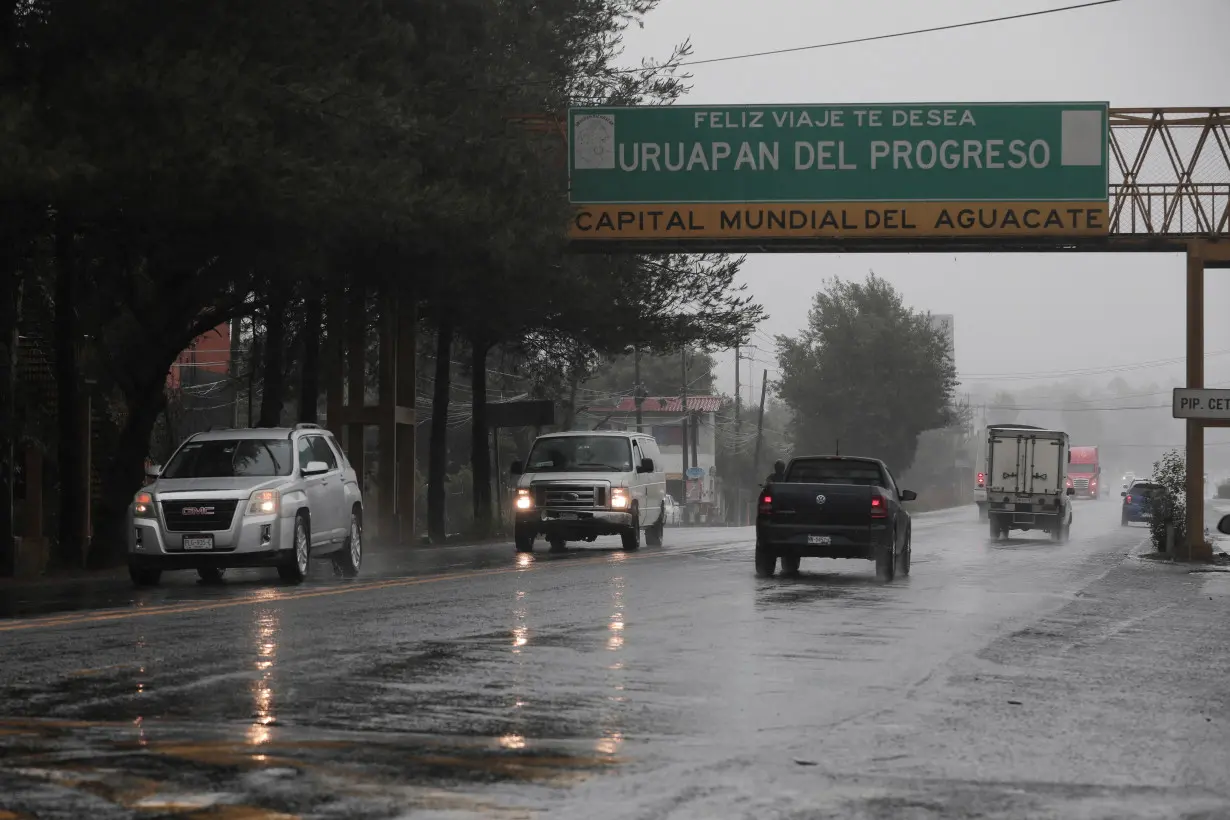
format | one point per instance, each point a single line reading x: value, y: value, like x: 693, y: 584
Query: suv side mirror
x: 779, y: 470
x: 646, y: 466
x: 1223, y: 526
x: 153, y: 471
x: 1071, y: 491
x: 315, y: 468
x: 516, y: 468
x: 909, y: 495
x: 1123, y: 494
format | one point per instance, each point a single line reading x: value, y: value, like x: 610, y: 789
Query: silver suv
x: 248, y: 498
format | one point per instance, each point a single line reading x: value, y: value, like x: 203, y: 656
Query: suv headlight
x: 525, y: 500
x: 143, y: 505
x: 263, y: 502
x: 619, y: 499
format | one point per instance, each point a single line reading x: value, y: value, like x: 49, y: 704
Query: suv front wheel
x: 294, y: 568
x: 348, y: 559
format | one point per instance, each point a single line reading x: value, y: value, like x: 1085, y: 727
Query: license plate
x: 1146, y: 515
x: 569, y: 516
x: 198, y: 542
x: 819, y: 540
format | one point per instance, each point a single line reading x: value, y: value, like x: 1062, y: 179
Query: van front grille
x: 579, y: 496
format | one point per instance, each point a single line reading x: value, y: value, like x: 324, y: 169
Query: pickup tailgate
x: 840, y: 511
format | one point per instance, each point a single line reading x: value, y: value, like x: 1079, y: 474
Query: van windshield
x: 575, y: 453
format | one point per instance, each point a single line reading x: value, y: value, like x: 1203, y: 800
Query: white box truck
x: 1025, y: 481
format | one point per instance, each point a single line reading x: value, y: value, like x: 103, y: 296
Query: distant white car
x: 674, y: 512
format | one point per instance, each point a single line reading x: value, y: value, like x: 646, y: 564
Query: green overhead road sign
x: 1041, y: 167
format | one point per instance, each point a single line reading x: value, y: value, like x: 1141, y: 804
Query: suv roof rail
x: 215, y: 427
x: 307, y: 425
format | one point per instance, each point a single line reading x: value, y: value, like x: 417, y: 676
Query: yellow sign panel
x: 852, y: 220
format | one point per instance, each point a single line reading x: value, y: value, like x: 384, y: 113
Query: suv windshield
x: 231, y: 458
x: 565, y: 453
x: 834, y: 471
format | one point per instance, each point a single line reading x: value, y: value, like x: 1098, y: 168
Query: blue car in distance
x: 1137, y: 502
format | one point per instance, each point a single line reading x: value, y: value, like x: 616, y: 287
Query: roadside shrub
x: 1169, y: 501
x: 1223, y: 489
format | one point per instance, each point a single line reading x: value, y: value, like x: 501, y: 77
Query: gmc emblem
x: 198, y: 511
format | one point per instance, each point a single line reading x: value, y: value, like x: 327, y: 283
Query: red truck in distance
x: 1085, y: 472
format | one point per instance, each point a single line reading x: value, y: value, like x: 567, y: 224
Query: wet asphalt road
x: 1021, y: 679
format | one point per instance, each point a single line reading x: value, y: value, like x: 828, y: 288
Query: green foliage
x: 1223, y: 489
x: 867, y: 371
x: 180, y: 164
x: 1169, y: 500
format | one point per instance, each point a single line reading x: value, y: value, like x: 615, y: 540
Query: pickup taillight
x: 879, y: 508
x: 766, y: 503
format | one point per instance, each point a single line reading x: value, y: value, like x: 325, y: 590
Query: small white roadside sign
x: 1201, y: 403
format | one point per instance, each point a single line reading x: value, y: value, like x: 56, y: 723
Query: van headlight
x: 524, y: 501
x: 619, y: 499
x: 263, y: 502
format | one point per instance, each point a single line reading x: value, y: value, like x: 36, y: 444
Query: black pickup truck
x: 833, y: 507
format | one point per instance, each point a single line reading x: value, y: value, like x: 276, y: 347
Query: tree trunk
x: 309, y: 375
x: 437, y: 459
x: 570, y: 410
x: 480, y: 450
x: 10, y: 319
x: 232, y: 367
x: 125, y: 474
x: 273, y: 375
x: 69, y: 447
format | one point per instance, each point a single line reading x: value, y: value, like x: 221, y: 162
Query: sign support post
x: 1200, y: 407
x: 1195, y: 548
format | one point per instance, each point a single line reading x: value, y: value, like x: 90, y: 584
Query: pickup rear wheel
x: 766, y: 560
x: 886, y: 561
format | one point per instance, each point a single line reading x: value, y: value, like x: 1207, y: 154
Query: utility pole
x: 738, y: 395
x: 764, y: 385
x: 638, y: 389
x: 683, y: 358
x: 738, y: 430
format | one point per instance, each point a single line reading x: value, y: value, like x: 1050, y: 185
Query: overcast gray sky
x: 1115, y: 309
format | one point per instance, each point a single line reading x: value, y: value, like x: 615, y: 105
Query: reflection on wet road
x: 1012, y: 679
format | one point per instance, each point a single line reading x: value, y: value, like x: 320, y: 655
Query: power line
x: 1086, y: 371
x: 650, y: 68
x: 877, y: 37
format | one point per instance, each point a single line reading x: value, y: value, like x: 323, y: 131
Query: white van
x: 579, y: 485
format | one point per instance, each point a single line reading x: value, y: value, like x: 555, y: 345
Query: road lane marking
x: 273, y: 597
